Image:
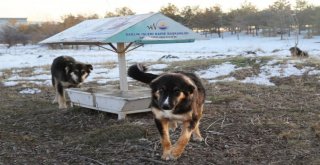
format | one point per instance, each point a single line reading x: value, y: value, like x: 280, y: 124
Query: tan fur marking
x: 157, y: 94
x: 165, y: 139
x: 167, y: 114
x: 173, y: 125
x: 196, y: 135
x: 84, y: 76
x: 183, y: 140
x: 181, y: 97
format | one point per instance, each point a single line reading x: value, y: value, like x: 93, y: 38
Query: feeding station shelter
x: 128, y: 33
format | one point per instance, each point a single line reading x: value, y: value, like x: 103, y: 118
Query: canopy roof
x: 149, y: 28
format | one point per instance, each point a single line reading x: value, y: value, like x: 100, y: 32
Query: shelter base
x: 111, y: 99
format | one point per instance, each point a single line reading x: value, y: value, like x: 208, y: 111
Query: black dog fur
x: 175, y: 97
x: 66, y: 72
x: 296, y: 52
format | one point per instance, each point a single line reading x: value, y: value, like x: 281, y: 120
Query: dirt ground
x: 244, y: 124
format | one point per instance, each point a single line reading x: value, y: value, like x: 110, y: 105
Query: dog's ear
x: 89, y: 66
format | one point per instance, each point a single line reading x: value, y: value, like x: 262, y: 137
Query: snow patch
x: 10, y: 83
x: 158, y: 66
x: 219, y: 70
x: 30, y: 91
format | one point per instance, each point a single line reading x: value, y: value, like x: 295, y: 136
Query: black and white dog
x: 66, y: 73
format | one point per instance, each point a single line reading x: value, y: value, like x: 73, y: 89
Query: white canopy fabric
x: 149, y: 28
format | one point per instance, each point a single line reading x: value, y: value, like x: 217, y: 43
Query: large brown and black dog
x: 296, y: 52
x: 66, y: 73
x: 176, y: 97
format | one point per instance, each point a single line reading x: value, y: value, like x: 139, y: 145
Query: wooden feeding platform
x: 111, y: 99
x: 129, y: 33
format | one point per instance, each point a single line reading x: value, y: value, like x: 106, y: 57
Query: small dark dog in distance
x: 66, y: 72
x: 175, y: 97
x: 296, y: 52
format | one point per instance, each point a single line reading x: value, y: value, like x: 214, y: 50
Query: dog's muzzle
x: 165, y: 107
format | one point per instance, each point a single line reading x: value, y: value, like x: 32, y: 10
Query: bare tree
x: 301, y: 13
x: 9, y: 35
x: 120, y: 12
x: 281, y: 10
x: 243, y: 18
x: 315, y: 18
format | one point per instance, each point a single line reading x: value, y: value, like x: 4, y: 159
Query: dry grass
x: 244, y: 124
x: 195, y: 65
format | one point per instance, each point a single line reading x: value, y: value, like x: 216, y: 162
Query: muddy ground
x: 244, y: 124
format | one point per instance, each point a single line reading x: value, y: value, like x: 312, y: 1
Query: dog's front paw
x: 63, y: 106
x: 168, y: 156
x: 165, y: 157
x: 175, y: 153
x: 54, y: 101
x: 197, y: 138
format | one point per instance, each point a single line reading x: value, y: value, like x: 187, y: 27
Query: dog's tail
x: 138, y: 72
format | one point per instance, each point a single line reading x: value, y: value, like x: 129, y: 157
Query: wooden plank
x: 122, y: 67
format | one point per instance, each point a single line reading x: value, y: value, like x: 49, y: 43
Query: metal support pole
x: 122, y: 67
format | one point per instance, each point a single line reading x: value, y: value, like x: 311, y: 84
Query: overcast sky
x: 52, y: 10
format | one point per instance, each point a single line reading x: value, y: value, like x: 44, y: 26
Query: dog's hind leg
x: 55, y: 90
x: 61, y: 97
x: 55, y: 100
x: 163, y: 128
x: 196, y: 135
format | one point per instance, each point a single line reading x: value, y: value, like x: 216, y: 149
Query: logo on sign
x: 161, y: 24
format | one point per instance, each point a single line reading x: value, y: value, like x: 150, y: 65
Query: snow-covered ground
x: 40, y: 57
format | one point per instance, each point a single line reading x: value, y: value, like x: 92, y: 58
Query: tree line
x: 279, y: 19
